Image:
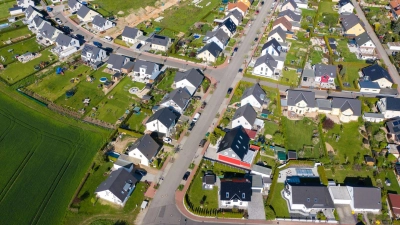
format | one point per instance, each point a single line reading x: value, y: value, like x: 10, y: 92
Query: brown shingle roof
x: 284, y: 22
x: 240, y: 5
x: 394, y: 202
x: 395, y: 6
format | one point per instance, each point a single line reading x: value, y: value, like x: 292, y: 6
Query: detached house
x: 131, y: 34
x: 144, y: 149
x: 190, y: 79
x: 66, y: 45
x: 145, y: 71
x: 238, y: 6
x: 85, y: 14
x: 365, y: 46
x: 325, y: 74
x: 290, y: 15
x: 345, y: 6
x: 395, y: 8
x: 93, y: 54
x: 116, y: 62
x: 267, y: 66
x: 209, y: 53
x: 160, y: 43
x: 178, y: 99
x: 394, y: 204
x: 234, y: 148
x: 209, y: 180
x: 236, y: 16
x: 283, y: 23
x: 162, y: 121
x: 377, y: 74
x: 235, y: 192
x: 365, y: 199
x: 16, y: 10
x: 351, y: 24
x: 389, y: 107
x: 393, y: 128
x: 272, y: 47
x: 347, y: 109
x: 30, y: 13
x: 289, y: 5
x: 25, y: 3
x: 101, y: 24
x: 245, y: 116
x: 278, y: 33
x: 218, y: 36
x: 37, y: 24
x: 228, y: 26
x: 48, y: 33
x: 301, y: 102
x: 117, y: 188
x: 255, y: 96
x: 74, y: 5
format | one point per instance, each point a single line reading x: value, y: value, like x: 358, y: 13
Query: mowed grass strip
x: 40, y: 188
x: 13, y: 34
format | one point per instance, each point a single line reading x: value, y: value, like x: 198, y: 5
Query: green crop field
x: 44, y: 157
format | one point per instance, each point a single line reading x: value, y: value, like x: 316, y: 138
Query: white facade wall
x: 231, y: 204
x: 241, y: 121
x: 186, y: 84
x: 263, y: 70
x: 137, y: 154
x: 206, y: 56
x: 155, y: 125
x: 252, y: 101
x: 348, y: 8
x: 109, y: 196
x: 216, y: 41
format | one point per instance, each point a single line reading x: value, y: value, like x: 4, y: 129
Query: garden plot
x: 9, y: 52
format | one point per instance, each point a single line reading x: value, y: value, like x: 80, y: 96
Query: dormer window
x: 315, y: 199
x: 227, y: 194
x: 243, y: 195
x: 308, y: 199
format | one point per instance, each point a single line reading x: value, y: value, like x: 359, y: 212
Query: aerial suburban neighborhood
x: 200, y: 111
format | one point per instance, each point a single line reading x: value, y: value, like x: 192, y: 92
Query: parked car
x: 229, y: 91
x: 108, y: 38
x: 235, y: 49
x: 167, y: 140
x: 256, y: 39
x: 141, y: 172
x: 191, y: 125
x: 262, y: 2
x: 139, y: 46
x: 203, y: 105
x: 202, y: 142
x: 97, y: 44
x: 58, y: 21
x: 186, y: 176
x: 196, y: 117
x: 240, y: 70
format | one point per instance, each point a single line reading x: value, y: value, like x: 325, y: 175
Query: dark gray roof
x: 160, y: 40
x: 63, y: 40
x: 146, y: 145
x: 83, y: 11
x: 292, y: 155
x: 72, y: 3
x: 212, y: 48
x: 312, y: 196
x: 99, y: 21
x: 376, y: 72
x: 291, y: 2
x: 37, y: 20
x: 129, y: 65
x: 15, y: 8
x: 274, y: 44
x: 30, y: 10
x: 368, y: 84
x: 295, y: 96
x: 323, y: 70
x: 362, y: 38
x: 123, y: 160
x: 367, y: 198
x: 248, y: 112
x: 394, y: 126
x: 209, y: 179
x: 349, y: 20
x: 289, y: 13
x: 90, y: 49
x: 117, y: 61
x: 119, y: 183
x: 194, y: 76
x: 144, y: 64
x: 256, y: 91
x: 261, y: 169
x: 235, y: 189
x: 324, y: 104
x: 347, y: 103
x: 229, y: 24
x: 130, y: 32
x: 393, y: 104
x: 237, y: 14
x: 47, y: 30
x: 268, y: 60
x: 179, y: 96
x: 221, y: 36
x: 165, y: 116
x: 280, y: 32
x: 235, y: 142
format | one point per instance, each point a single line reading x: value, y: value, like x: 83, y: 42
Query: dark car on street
x: 191, y: 126
x: 203, y: 105
x: 186, y: 176
x: 229, y: 91
x: 202, y: 142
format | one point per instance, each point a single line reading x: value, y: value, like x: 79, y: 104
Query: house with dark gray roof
x: 301, y: 102
x: 85, y: 14
x: 145, y: 71
x: 160, y: 43
x: 308, y: 199
x: 100, y: 23
x: 272, y: 47
x: 209, y: 180
x: 25, y: 3
x: 365, y: 46
x: 116, y: 62
x: 16, y: 10
x: 144, y: 149
x: 93, y: 54
x: 178, y: 100
x: 74, y: 5
x: 131, y: 34
x: 367, y: 86
x: 37, y: 24
x: 30, y: 13
x: 365, y: 199
x: 65, y: 45
x: 393, y: 128
x: 162, y: 121
x: 235, y: 192
x: 209, y: 53
x: 347, y: 109
x: 290, y: 15
x: 244, y: 116
x: 255, y: 96
x: 351, y: 24
x: 48, y: 34
x: 218, y: 36
x: 267, y: 66
x: 125, y: 162
x: 345, y: 6
x: 234, y: 148
x: 289, y: 5
x: 378, y: 74
x: 236, y: 16
x: 190, y: 79
x: 228, y: 26
x: 278, y: 33
x: 389, y: 107
x: 117, y: 187
x: 325, y: 74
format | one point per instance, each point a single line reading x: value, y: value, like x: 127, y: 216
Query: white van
x: 107, y: 38
x: 196, y: 117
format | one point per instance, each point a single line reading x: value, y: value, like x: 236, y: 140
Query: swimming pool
x: 113, y: 154
x: 103, y: 79
x: 4, y: 25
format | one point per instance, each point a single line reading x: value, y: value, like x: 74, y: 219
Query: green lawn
x: 270, y: 127
x: 19, y: 48
x: 345, y: 52
x: 315, y: 56
x: 296, y: 54
x: 326, y: 7
x: 135, y: 122
x: 351, y: 76
x: 4, y: 6
x: 299, y: 133
x: 54, y: 86
x: 349, y: 176
x: 270, y: 161
x: 278, y: 204
x: 180, y: 18
x: 389, y: 174
x: 290, y: 77
x: 115, y: 6
x: 110, y: 109
x: 197, y: 194
x: 167, y: 81
x: 49, y: 152
x: 17, y: 71
x: 349, y: 143
x: 86, y: 207
x: 13, y: 34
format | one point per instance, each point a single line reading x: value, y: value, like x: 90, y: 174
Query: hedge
x: 322, y: 175
x: 130, y: 132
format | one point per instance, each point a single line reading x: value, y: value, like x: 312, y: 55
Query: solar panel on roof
x: 396, y: 123
x: 396, y: 129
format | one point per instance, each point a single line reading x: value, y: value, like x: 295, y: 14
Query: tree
x: 379, y: 136
x: 328, y: 124
x: 329, y: 19
x: 213, y: 138
x: 225, y: 121
x: 278, y: 138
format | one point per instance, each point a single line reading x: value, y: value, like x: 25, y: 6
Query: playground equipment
x: 60, y: 70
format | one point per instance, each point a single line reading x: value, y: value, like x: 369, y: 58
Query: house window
x: 237, y: 146
x: 239, y: 141
x: 243, y: 195
x: 240, y: 137
x: 261, y: 69
x: 240, y: 203
x: 233, y: 156
x: 227, y: 195
x: 315, y: 199
x: 308, y: 199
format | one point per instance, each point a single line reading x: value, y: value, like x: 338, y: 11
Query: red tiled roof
x: 243, y: 7
x: 394, y: 202
x: 284, y: 22
x: 255, y: 147
x: 251, y: 133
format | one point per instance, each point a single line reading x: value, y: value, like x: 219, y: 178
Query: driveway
x: 256, y: 207
x: 344, y: 212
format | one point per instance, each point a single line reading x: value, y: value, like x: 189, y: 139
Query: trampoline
x: 196, y: 36
x: 103, y: 79
x: 133, y: 90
